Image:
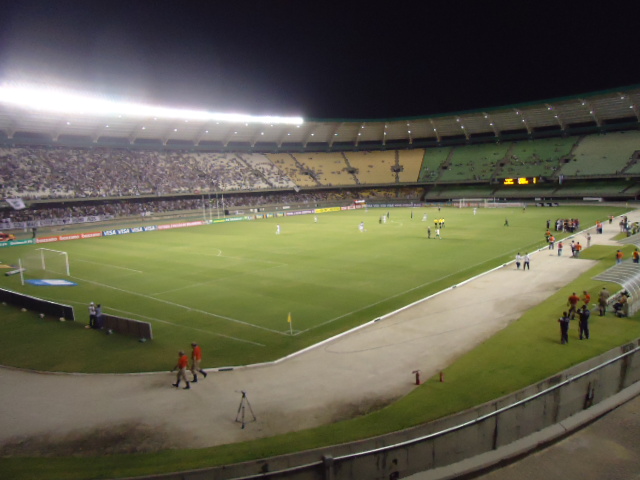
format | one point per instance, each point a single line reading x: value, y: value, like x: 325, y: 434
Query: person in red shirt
x: 619, y: 256
x: 636, y: 256
x: 196, y: 358
x: 578, y: 249
x: 573, y: 303
x: 181, y: 366
x: 586, y: 298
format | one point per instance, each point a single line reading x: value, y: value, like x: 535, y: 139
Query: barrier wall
x: 452, y: 439
x: 128, y: 326
x: 37, y: 304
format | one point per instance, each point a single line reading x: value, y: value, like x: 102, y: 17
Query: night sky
x: 321, y: 60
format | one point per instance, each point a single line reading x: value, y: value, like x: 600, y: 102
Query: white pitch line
x: 390, y: 298
x: 212, y: 282
x: 244, y: 259
x: 234, y: 320
x: 107, y: 265
x: 186, y: 326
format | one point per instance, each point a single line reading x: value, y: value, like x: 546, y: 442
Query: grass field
x: 232, y: 286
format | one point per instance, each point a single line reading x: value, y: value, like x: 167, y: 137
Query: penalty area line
x: 107, y: 265
x: 178, y: 305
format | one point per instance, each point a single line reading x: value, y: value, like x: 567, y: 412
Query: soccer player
x: 361, y: 227
x: 278, y: 229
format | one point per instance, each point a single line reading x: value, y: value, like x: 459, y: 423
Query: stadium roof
x: 598, y: 111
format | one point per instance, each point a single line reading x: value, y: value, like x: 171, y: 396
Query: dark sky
x: 349, y: 59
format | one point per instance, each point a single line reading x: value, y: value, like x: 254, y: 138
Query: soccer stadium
x: 352, y: 285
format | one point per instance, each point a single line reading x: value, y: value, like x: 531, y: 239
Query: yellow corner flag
x: 290, y: 324
x: 289, y: 318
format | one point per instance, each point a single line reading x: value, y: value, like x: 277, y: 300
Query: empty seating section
x: 602, y: 154
x: 540, y: 190
x: 634, y: 169
x: 272, y: 174
x: 537, y: 158
x: 287, y: 164
x: 474, y: 162
x: 410, y: 161
x: 590, y: 189
x: 444, y: 192
x: 432, y: 161
x: 328, y: 168
x: 373, y: 167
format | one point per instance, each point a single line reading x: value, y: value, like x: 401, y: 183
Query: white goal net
x: 45, y: 260
x: 485, y: 203
x: 491, y: 204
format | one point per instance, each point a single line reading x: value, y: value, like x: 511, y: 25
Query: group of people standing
x: 524, y: 261
x: 96, y: 321
x: 583, y: 313
x: 183, y: 364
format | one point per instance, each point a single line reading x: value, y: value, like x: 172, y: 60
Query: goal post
x: 47, y: 260
x: 485, y: 203
x: 469, y: 202
x: 56, y: 259
x: 494, y: 204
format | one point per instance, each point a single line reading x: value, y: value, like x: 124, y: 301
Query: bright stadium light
x: 60, y: 101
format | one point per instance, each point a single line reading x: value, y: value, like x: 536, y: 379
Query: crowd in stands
x: 41, y: 172
x: 153, y: 206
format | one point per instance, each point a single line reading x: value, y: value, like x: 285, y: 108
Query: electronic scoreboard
x: 521, y: 181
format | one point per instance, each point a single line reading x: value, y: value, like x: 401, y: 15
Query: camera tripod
x: 244, y: 403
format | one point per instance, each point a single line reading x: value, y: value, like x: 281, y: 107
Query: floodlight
x: 60, y: 101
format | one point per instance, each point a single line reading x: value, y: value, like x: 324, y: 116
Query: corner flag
x: 290, y: 324
x: 289, y: 318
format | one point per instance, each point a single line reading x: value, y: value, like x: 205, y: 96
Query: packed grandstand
x: 573, y: 148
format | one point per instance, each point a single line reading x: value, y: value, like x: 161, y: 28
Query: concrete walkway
x: 349, y: 375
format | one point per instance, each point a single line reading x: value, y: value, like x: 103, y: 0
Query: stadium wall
x: 505, y: 428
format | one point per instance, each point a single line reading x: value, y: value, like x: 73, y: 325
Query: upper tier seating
x: 602, y: 154
x: 373, y: 167
x: 474, y: 162
x: 410, y: 161
x: 537, y: 158
x: 432, y: 163
x: 288, y: 165
x: 328, y: 168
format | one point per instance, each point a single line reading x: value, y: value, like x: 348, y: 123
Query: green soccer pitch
x: 232, y: 286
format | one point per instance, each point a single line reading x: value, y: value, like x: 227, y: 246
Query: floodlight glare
x: 58, y: 101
